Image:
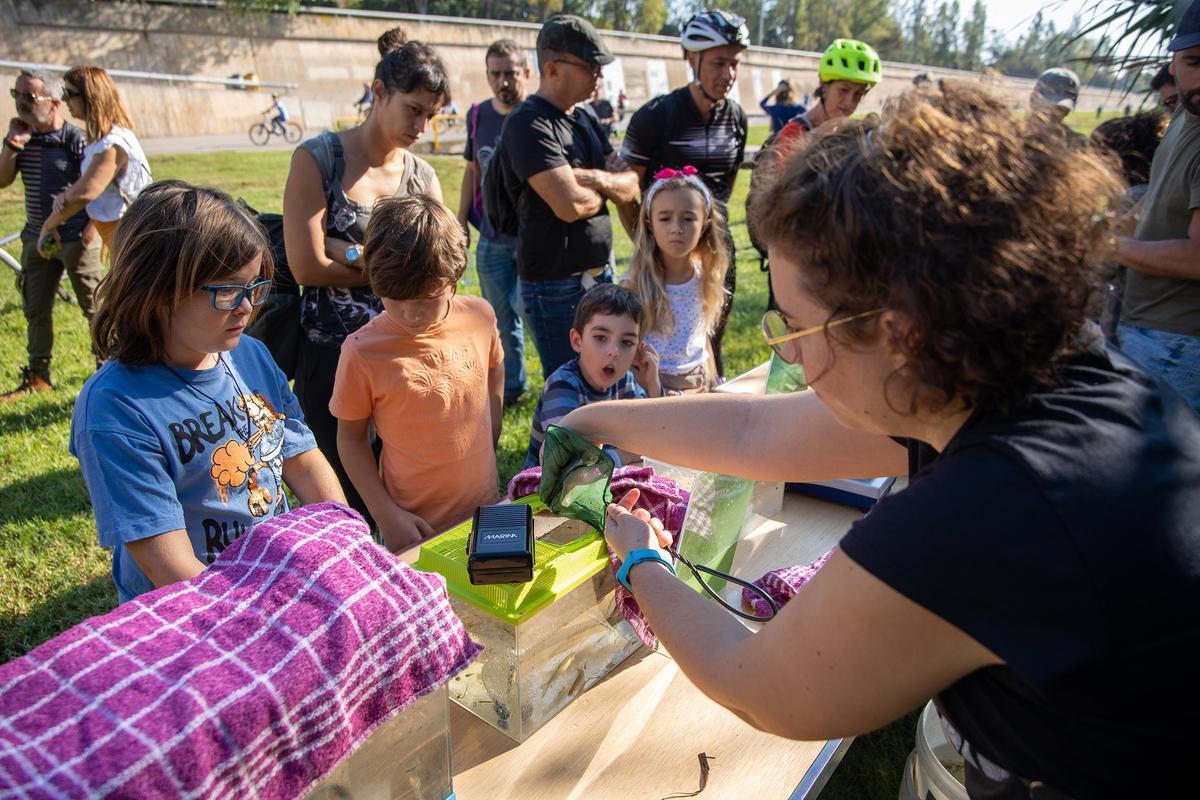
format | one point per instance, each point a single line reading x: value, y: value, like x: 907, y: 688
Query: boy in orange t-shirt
x: 429, y: 371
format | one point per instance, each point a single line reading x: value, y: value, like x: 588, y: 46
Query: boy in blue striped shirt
x: 613, y: 363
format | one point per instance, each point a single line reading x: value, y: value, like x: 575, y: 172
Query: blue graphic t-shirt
x: 164, y: 449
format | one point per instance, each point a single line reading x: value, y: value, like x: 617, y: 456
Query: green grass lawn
x: 53, y: 573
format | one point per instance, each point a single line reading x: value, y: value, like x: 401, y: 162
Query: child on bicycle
x: 281, y: 115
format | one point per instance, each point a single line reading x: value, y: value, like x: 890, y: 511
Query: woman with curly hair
x: 1040, y: 575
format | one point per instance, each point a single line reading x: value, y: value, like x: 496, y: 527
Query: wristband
x: 638, y: 556
x: 354, y: 253
x: 13, y: 147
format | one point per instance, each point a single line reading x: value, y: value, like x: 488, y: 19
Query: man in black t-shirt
x: 47, y: 151
x: 558, y: 149
x: 697, y: 125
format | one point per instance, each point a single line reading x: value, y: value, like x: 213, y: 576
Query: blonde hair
x: 102, y: 106
x: 647, y: 274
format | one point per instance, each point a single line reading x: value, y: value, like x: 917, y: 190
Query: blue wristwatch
x: 354, y: 253
x: 636, y: 556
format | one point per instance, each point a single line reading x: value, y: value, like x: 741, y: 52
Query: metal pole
x: 15, y: 265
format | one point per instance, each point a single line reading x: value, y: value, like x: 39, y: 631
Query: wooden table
x: 638, y: 733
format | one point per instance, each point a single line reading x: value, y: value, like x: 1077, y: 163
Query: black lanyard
x: 219, y: 406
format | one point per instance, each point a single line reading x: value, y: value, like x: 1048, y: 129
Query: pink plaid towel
x: 660, y: 496
x: 782, y: 584
x: 253, y: 679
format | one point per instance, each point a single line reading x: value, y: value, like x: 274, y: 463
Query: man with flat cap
x: 1160, y: 315
x: 558, y: 149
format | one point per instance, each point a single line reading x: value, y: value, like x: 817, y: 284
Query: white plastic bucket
x: 928, y: 773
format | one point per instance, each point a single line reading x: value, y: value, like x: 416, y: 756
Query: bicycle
x: 261, y: 132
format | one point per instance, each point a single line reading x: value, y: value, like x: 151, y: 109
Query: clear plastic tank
x: 407, y: 758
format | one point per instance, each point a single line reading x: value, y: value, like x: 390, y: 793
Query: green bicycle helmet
x: 850, y: 60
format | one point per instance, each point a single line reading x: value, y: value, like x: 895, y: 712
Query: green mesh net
x: 575, y: 477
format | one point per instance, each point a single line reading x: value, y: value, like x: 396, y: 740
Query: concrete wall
x: 329, y: 53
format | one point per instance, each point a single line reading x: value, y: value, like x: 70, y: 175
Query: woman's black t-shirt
x: 1065, y: 538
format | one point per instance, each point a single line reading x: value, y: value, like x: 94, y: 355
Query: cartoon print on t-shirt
x: 234, y: 463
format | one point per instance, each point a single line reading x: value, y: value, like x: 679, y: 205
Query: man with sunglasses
x: 558, y: 150
x: 47, y: 152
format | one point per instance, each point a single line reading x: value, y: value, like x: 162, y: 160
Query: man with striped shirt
x: 47, y: 152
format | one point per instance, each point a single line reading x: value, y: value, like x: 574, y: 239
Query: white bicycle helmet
x: 714, y: 29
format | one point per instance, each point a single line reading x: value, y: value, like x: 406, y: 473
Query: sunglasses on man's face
x: 593, y: 69
x: 28, y: 97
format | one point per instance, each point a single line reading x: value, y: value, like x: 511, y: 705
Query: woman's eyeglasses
x: 781, y: 336
x: 28, y: 97
x: 227, y: 298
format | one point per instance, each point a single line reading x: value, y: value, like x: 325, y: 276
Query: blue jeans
x: 496, y: 264
x: 550, y: 312
x: 1173, y: 357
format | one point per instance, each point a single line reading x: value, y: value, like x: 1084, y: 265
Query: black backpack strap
x: 339, y: 160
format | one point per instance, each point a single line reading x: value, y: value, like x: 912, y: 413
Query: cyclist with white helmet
x: 697, y: 125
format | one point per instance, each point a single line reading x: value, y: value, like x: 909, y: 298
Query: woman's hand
x: 629, y: 529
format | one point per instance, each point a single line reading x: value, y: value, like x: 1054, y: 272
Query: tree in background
x: 974, y: 31
x: 931, y: 32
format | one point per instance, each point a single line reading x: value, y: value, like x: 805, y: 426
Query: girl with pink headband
x: 678, y: 272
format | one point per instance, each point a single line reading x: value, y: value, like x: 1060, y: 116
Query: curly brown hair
x: 1133, y: 140
x: 983, y: 232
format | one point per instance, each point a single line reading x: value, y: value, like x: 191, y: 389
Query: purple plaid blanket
x: 782, y: 584
x: 660, y: 496
x: 253, y: 679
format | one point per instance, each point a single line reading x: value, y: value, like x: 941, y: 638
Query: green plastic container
x: 557, y: 569
x: 546, y: 641
x: 784, y: 378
